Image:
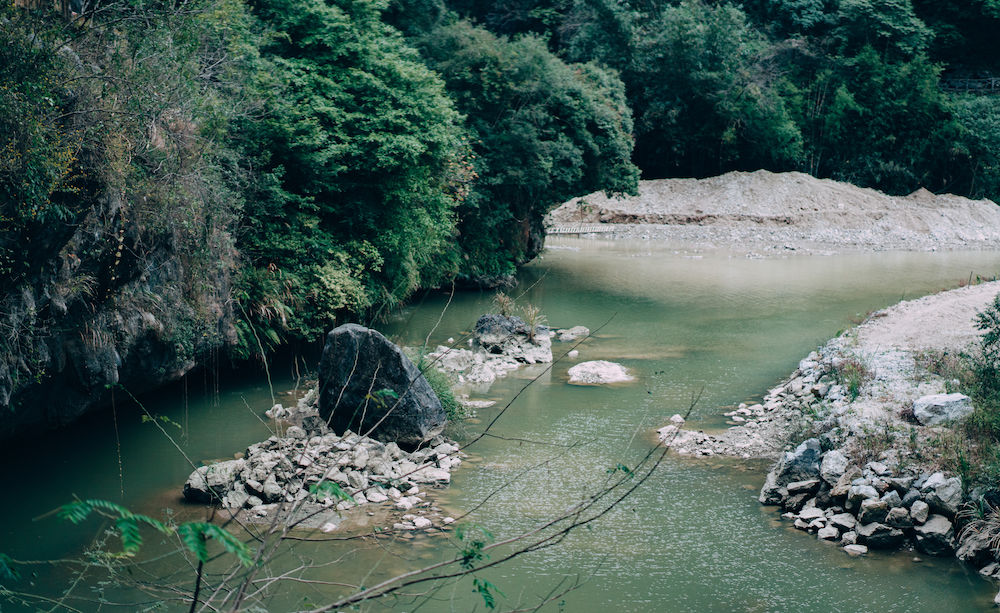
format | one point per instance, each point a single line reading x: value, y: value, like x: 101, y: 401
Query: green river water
x: 693, y: 538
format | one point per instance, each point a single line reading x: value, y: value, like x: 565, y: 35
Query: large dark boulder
x: 367, y: 385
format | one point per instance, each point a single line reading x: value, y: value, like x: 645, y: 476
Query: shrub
x: 853, y: 373
x: 441, y: 384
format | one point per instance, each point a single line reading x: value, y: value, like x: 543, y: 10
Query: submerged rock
x: 367, y: 384
x: 598, y: 372
x: 569, y: 335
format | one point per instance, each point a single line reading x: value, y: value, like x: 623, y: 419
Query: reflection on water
x: 692, y: 539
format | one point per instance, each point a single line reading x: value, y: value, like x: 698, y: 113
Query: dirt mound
x: 792, y: 207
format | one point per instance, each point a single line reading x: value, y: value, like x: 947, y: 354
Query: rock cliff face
x: 106, y: 301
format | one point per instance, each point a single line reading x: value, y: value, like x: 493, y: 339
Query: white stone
x: 598, y: 372
x: 828, y: 533
x: 572, y: 334
x: 421, y: 522
x: 811, y: 514
x: 920, y: 511
x: 943, y: 494
x: 855, y: 550
x: 941, y: 408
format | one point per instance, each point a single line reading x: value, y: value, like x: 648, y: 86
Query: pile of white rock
x: 285, y: 469
x: 500, y: 344
x: 760, y: 430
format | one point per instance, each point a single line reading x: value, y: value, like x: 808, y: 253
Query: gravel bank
x: 870, y: 473
x: 783, y: 211
x: 814, y: 399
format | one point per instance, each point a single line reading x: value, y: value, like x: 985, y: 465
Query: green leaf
x: 194, y: 539
x: 329, y: 489
x: 195, y: 535
x: 486, y: 589
x: 622, y: 468
x: 474, y: 539
x: 131, y: 537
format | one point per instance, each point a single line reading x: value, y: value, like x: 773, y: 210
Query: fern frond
x: 194, y: 539
x: 131, y: 537
x: 195, y: 535
x: 230, y: 543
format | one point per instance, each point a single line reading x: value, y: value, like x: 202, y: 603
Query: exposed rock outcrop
x: 499, y: 344
x: 368, y: 385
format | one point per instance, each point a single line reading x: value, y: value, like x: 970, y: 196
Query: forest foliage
x: 312, y: 161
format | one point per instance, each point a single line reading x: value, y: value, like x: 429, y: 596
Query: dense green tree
x: 603, y: 30
x: 964, y: 33
x: 891, y: 27
x: 889, y: 125
x: 705, y: 100
x: 979, y: 118
x: 543, y: 131
x: 784, y: 18
x: 362, y: 163
x: 510, y: 17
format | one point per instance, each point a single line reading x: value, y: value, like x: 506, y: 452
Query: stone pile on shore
x: 873, y: 417
x: 761, y: 430
x: 877, y: 506
x: 287, y: 469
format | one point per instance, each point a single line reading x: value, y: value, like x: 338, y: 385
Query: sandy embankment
x: 811, y: 401
x: 781, y: 211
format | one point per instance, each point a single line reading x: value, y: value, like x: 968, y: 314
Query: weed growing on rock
x: 853, y: 373
x: 873, y: 442
x: 441, y: 384
x: 504, y: 304
x: 534, y: 318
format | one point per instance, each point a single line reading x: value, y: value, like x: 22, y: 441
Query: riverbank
x: 880, y: 434
x: 769, y: 213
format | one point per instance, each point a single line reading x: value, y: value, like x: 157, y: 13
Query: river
x: 692, y: 538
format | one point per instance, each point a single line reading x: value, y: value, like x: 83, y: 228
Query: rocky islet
x: 281, y: 474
